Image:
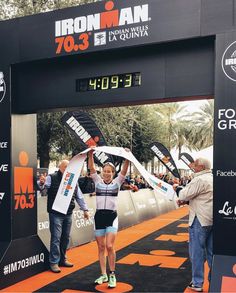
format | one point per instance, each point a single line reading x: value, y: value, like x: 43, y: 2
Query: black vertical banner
x: 187, y: 159
x: 82, y: 126
x: 165, y: 157
x: 225, y: 165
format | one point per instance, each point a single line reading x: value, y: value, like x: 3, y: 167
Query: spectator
x: 60, y: 224
x: 131, y: 179
x: 86, y: 184
x: 185, y: 180
x: 126, y: 185
x: 166, y: 178
x: 176, y: 180
x: 41, y: 188
x: 139, y: 182
x: 199, y: 193
x: 129, y: 186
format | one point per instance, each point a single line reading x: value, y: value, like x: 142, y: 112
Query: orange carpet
x: 86, y: 255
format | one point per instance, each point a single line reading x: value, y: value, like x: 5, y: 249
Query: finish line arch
x: 112, y: 53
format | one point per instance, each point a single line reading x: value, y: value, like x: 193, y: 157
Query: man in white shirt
x: 199, y: 194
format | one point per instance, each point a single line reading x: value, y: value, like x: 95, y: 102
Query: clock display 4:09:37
x: 125, y: 80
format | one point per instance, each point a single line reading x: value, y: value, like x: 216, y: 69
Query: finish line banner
x: 73, y: 170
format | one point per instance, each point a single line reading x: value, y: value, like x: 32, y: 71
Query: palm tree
x: 175, y: 129
x: 203, y: 125
x: 181, y: 135
x: 130, y: 127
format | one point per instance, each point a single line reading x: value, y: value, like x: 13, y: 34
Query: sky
x: 193, y: 106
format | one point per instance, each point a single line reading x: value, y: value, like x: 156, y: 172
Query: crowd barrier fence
x: 133, y: 208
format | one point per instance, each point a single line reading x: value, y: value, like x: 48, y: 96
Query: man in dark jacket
x: 60, y: 224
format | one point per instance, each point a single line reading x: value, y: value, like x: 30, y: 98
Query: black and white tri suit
x: 106, y: 201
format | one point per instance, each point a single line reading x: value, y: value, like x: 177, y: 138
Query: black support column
x: 5, y: 159
x: 22, y: 253
x: 224, y: 263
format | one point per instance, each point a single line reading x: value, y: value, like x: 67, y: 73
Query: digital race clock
x: 124, y: 80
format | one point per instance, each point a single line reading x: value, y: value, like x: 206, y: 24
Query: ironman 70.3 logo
x: 77, y: 34
x: 228, y: 61
x: 2, y: 87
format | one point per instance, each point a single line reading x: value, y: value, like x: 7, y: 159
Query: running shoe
x: 102, y: 279
x: 112, y: 281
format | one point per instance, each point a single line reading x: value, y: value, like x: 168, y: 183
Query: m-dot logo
x: 2, y: 87
x: 228, y: 61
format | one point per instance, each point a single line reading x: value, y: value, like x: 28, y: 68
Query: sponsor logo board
x: 228, y: 211
x: 226, y: 119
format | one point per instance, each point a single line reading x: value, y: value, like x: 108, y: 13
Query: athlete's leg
x: 110, y: 240
x: 101, y: 252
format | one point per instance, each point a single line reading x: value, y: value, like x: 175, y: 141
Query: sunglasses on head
x: 110, y: 164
